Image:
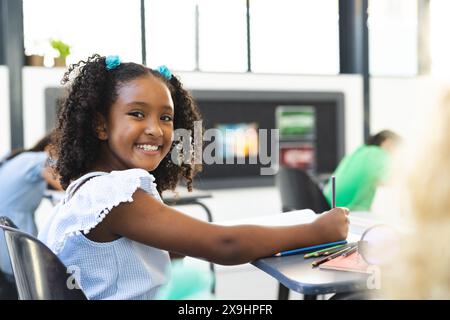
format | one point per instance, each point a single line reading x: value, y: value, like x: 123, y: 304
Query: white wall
x: 401, y: 104
x: 5, y: 135
x: 35, y: 80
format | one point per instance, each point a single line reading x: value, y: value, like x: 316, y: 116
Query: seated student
x: 24, y: 177
x: 422, y: 269
x: 115, y: 140
x: 359, y: 173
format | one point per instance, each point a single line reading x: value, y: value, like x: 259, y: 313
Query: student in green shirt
x: 359, y: 173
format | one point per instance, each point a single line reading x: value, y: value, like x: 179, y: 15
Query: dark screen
x: 329, y: 142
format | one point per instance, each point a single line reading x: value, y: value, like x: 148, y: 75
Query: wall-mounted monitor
x: 311, y: 125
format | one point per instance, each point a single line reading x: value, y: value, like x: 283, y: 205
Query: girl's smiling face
x: 139, y: 127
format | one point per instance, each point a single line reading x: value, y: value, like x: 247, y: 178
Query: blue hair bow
x: 112, y: 62
x: 164, y: 71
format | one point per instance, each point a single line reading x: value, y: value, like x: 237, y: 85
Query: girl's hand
x: 332, y: 225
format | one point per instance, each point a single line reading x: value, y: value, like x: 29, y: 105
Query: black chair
x: 298, y: 190
x: 5, y: 221
x: 8, y: 289
x: 38, y: 272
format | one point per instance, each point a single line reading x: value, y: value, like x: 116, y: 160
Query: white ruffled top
x: 120, y: 269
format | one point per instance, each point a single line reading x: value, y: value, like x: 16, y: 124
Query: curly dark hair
x: 91, y: 93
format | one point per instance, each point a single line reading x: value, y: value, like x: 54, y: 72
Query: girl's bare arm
x: 149, y: 221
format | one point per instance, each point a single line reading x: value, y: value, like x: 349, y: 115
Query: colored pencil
x: 307, y: 249
x: 353, y: 250
x: 319, y: 252
x: 332, y: 256
x: 327, y: 253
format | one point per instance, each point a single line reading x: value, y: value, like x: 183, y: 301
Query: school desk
x: 182, y: 197
x: 296, y: 273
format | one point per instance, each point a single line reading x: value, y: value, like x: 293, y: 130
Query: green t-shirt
x: 357, y: 177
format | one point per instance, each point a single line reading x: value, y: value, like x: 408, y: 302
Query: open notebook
x: 353, y: 262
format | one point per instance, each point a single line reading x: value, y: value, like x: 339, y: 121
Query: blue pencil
x: 305, y: 249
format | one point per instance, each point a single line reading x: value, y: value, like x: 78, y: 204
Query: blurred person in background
x: 24, y: 177
x: 360, y: 173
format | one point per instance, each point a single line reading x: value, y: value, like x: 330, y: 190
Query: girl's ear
x: 100, y: 127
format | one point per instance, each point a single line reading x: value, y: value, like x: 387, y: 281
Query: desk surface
x: 296, y: 272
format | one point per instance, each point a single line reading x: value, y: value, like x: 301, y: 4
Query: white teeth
x: 147, y: 147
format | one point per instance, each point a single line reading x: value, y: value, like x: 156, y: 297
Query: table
x: 297, y: 274
x: 183, y: 197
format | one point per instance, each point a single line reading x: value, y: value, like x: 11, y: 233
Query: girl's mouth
x: 149, y: 149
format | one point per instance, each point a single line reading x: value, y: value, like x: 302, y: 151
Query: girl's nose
x: 153, y: 129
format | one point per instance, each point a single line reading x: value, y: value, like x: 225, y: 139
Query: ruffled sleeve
x: 86, y: 207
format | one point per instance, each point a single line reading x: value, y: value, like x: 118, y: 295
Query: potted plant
x: 34, y: 53
x: 63, y: 51
x: 35, y: 60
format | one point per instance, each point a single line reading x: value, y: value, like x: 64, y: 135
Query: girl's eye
x: 137, y: 114
x: 166, y: 118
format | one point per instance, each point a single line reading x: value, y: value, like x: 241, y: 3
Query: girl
x: 24, y: 177
x: 116, y: 130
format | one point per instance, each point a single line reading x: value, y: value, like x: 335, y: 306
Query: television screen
x: 237, y: 140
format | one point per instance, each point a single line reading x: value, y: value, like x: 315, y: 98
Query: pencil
x: 332, y: 256
x: 349, y: 252
x: 333, y: 192
x: 319, y: 252
x: 327, y: 253
x: 306, y: 249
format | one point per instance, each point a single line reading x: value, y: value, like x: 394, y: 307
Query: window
x: 170, y: 33
x: 439, y: 44
x: 295, y: 36
x: 172, y: 37
x: 393, y: 37
x: 223, y: 35
x: 89, y: 26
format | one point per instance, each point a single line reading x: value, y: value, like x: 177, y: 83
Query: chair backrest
x: 38, y: 272
x: 5, y: 221
x: 299, y: 191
